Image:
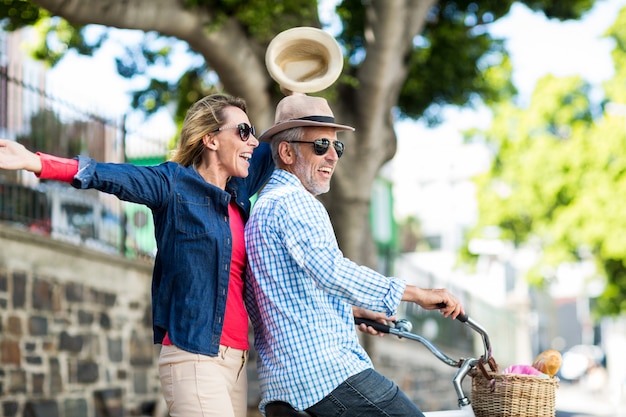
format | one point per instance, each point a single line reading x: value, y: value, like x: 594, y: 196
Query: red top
x: 235, y: 329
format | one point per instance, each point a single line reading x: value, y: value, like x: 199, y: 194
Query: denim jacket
x: 194, y: 245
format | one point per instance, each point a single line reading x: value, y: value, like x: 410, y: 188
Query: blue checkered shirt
x: 300, y: 294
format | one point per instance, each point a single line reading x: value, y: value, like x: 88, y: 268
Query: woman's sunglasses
x: 321, y: 146
x: 244, y: 130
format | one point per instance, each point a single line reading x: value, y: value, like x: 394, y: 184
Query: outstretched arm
x: 14, y: 156
x: 128, y: 183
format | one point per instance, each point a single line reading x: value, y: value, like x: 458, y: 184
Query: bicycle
x: 402, y: 329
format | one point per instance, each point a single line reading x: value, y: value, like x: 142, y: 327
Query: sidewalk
x: 574, y: 400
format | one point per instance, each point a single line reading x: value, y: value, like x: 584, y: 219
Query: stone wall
x: 75, y: 331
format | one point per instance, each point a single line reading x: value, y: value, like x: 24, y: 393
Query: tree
x: 557, y: 176
x: 403, y: 58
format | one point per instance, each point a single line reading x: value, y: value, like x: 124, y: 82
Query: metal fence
x: 31, y: 115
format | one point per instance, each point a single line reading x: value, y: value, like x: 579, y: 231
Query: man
x: 302, y: 290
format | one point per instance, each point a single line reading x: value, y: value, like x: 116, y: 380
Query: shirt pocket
x: 194, y: 216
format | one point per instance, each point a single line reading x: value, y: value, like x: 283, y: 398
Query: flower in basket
x: 524, y: 370
x: 549, y: 361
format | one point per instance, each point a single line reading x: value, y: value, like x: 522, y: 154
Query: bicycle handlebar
x: 402, y: 329
x: 461, y: 317
x: 402, y: 332
x: 405, y: 331
x: 379, y: 327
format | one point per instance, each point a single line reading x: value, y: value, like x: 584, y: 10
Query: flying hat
x: 304, y: 59
x: 300, y: 110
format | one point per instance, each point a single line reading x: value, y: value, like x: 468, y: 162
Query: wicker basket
x: 511, y: 395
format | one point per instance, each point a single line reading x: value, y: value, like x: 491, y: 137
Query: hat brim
x: 268, y: 134
x: 296, y: 56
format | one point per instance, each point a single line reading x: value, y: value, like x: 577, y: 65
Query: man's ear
x: 209, y: 141
x: 286, y: 153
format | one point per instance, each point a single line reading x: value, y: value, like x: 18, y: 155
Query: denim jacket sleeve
x: 148, y: 185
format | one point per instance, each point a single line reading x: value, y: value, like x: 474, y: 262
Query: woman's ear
x: 209, y: 141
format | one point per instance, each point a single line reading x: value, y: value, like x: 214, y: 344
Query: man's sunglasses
x: 244, y: 130
x: 321, y: 146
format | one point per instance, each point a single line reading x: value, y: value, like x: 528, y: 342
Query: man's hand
x: 372, y: 315
x: 434, y: 299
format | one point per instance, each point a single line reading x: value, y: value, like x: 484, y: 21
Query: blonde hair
x: 205, y: 116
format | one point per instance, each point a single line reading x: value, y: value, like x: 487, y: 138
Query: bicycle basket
x: 512, y: 395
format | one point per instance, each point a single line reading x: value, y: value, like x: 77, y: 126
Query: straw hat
x: 304, y: 59
x: 301, y: 110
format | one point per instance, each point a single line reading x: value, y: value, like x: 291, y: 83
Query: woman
x: 199, y: 201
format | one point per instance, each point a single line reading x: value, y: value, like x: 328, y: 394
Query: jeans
x: 367, y: 393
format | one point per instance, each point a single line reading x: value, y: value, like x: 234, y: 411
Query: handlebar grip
x: 461, y: 317
x: 383, y: 328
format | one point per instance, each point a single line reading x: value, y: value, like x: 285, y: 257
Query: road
x: 574, y: 400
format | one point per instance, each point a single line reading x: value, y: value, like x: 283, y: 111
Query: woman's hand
x: 14, y: 156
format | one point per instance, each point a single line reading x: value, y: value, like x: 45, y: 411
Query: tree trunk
x: 390, y: 29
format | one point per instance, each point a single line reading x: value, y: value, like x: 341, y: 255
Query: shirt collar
x: 285, y: 177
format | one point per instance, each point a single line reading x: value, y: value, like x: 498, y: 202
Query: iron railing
x: 30, y: 115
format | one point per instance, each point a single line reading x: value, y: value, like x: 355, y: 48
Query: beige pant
x: 206, y: 386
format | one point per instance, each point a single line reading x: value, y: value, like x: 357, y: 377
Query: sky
x: 540, y: 46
